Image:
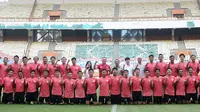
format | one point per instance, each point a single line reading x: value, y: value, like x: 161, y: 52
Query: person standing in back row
x: 127, y: 66
x: 74, y: 68
x: 102, y: 66
x: 161, y: 65
x: 151, y: 66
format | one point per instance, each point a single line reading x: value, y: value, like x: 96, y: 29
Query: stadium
x: 134, y: 38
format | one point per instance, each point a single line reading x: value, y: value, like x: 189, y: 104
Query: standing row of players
x: 113, y: 89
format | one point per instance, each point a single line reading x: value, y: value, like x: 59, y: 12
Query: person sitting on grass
x: 32, y: 86
x: 91, y: 84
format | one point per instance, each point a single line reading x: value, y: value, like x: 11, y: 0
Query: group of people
x: 52, y: 83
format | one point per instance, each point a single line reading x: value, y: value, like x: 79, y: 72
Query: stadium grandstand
x: 93, y: 30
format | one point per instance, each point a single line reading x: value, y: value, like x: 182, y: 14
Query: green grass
x: 91, y: 108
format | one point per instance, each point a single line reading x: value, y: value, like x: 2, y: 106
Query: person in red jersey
x: 19, y: 88
x: 180, y: 88
x: 74, y: 68
x: 3, y: 72
x: 56, y: 92
x: 198, y: 85
x: 146, y: 84
x: 32, y: 86
x: 104, y: 82
x: 193, y: 64
x: 3, y: 68
x: 25, y: 68
x: 102, y: 66
x: 191, y: 83
x: 53, y: 66
x: 91, y: 84
x: 161, y: 65
x: 115, y: 87
x: 64, y: 67
x: 157, y: 83
x: 136, y: 87
x: 79, y: 89
x: 44, y: 66
x: 44, y: 84
x: 182, y: 65
x: 169, y: 83
x: 69, y: 89
x: 34, y: 66
x: 151, y: 66
x: 15, y: 66
x: 8, y: 88
x: 172, y: 66
x: 125, y: 89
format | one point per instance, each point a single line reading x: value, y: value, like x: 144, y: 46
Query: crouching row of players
x: 117, y: 89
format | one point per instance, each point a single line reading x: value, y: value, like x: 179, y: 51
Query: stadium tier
x: 192, y: 6
x: 193, y: 44
x: 36, y: 47
x: 40, y: 8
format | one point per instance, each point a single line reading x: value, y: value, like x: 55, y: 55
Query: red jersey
x: 194, y: 66
x: 8, y: 84
x: 44, y: 87
x: 62, y: 69
x: 115, y: 85
x: 104, y: 84
x: 32, y: 84
x: 173, y: 66
x: 33, y: 66
x: 146, y: 86
x: 169, y: 89
x: 80, y: 90
x: 69, y: 88
x: 52, y: 69
x: 163, y: 68
x: 3, y: 72
x: 103, y: 66
x: 42, y: 68
x: 19, y: 84
x: 56, y: 86
x: 26, y: 71
x: 136, y: 83
x: 158, y: 86
x: 191, y: 84
x: 151, y: 68
x: 15, y: 67
x: 182, y: 65
x: 180, y: 86
x: 91, y: 85
x: 125, y: 88
x: 75, y: 69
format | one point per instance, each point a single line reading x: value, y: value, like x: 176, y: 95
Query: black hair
x: 87, y: 64
x: 46, y: 71
x: 114, y: 69
x: 24, y: 57
x: 190, y: 68
x: 126, y: 71
x: 137, y: 69
x: 127, y: 58
x: 146, y: 70
x: 32, y: 71
x: 182, y: 55
x: 53, y: 57
x: 44, y: 57
x: 91, y: 69
x: 16, y: 56
x: 57, y: 70
x: 171, y: 56
x: 73, y: 58
x: 151, y: 56
x: 63, y: 58
x: 193, y: 55
x: 80, y: 72
x: 10, y: 70
x: 160, y: 55
x: 157, y: 69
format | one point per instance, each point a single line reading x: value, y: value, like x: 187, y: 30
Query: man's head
x: 126, y: 73
x: 25, y: 60
x: 180, y: 72
x: 127, y: 60
x: 115, y: 71
x: 157, y: 72
x: 104, y: 60
x: 10, y: 72
x: 169, y: 71
x: 53, y: 59
x: 80, y: 74
x: 46, y: 73
x: 182, y: 57
x: 69, y: 75
x: 63, y: 60
x: 91, y: 72
x: 139, y: 60
x: 193, y: 58
x: 35, y: 59
x: 57, y: 72
x: 171, y: 58
x: 32, y: 73
x: 20, y: 74
x: 160, y: 57
x: 190, y: 71
x: 5, y: 60
x: 117, y: 62
x: 137, y: 71
x: 16, y: 58
x: 146, y: 72
x: 151, y: 58
x: 104, y: 72
x: 45, y: 60
x: 73, y: 61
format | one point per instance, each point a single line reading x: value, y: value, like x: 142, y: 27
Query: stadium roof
x: 87, y: 1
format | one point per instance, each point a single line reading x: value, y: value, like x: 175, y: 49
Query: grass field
x: 85, y: 108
